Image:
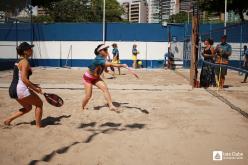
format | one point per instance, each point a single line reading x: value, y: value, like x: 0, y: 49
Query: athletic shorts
x: 22, y: 91
x: 221, y: 70
x: 134, y: 58
x: 19, y: 91
x: 88, y: 78
x: 116, y: 61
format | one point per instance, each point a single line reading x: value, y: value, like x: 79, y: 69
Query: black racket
x: 53, y: 99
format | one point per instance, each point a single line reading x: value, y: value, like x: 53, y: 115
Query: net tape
x: 227, y: 66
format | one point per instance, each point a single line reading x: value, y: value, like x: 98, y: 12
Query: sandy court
x: 162, y: 121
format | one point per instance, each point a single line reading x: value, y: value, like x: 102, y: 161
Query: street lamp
x: 103, y: 22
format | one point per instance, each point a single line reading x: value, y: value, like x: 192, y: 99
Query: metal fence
x: 15, y: 19
x: 237, y: 37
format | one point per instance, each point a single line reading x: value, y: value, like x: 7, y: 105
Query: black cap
x: 24, y: 46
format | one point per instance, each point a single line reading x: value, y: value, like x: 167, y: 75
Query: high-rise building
x: 125, y: 6
x: 168, y: 8
x: 2, y: 16
x: 154, y: 11
x: 186, y: 5
x: 41, y: 11
x: 138, y: 11
x: 161, y: 10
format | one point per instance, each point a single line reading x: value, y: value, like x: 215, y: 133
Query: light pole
x: 103, y: 22
x: 225, y: 19
x: 190, y: 11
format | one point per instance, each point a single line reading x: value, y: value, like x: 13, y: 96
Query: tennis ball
x: 140, y: 62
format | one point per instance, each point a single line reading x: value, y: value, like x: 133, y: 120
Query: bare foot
x: 84, y: 108
x: 38, y: 126
x: 115, y: 109
x: 6, y: 122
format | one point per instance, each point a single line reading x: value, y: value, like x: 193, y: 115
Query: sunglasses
x: 106, y: 49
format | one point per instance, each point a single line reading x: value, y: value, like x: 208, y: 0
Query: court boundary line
x: 219, y: 97
x: 121, y: 89
x: 227, y: 102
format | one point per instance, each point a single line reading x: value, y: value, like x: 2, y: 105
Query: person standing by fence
x: 245, y: 64
x: 116, y: 58
x: 223, y: 51
x: 135, y: 52
x: 207, y: 77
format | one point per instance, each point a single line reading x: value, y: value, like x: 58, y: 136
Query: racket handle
x: 38, y: 85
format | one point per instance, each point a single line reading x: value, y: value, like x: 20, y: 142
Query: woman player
x: 92, y: 76
x: 21, y: 85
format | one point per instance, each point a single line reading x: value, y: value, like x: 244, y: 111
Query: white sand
x: 163, y: 122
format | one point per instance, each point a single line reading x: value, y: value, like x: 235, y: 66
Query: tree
x: 42, y: 19
x: 43, y: 3
x: 12, y: 6
x: 81, y: 10
x: 238, y: 6
x: 180, y: 17
x: 66, y: 11
x: 113, y: 11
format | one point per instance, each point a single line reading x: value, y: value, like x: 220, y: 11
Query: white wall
x: 7, y: 50
x: 85, y: 49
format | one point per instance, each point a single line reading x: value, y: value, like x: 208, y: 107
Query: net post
x: 195, y: 41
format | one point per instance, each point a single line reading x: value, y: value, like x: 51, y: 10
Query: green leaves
x: 238, y: 6
x: 181, y: 17
x: 67, y: 11
x: 12, y: 5
x: 84, y: 11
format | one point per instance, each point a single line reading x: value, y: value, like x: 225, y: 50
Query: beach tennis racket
x: 53, y: 99
x: 132, y: 72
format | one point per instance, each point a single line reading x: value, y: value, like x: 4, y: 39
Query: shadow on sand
x: 105, y: 128
x: 124, y: 105
x: 47, y: 121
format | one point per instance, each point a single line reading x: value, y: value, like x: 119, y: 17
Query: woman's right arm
x: 108, y: 64
x: 24, y: 76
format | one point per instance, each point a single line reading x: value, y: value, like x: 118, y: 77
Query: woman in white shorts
x: 22, y: 89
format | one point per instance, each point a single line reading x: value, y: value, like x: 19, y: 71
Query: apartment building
x: 161, y: 10
x: 138, y: 11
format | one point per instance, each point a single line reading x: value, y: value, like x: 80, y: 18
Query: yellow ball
x: 140, y: 62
